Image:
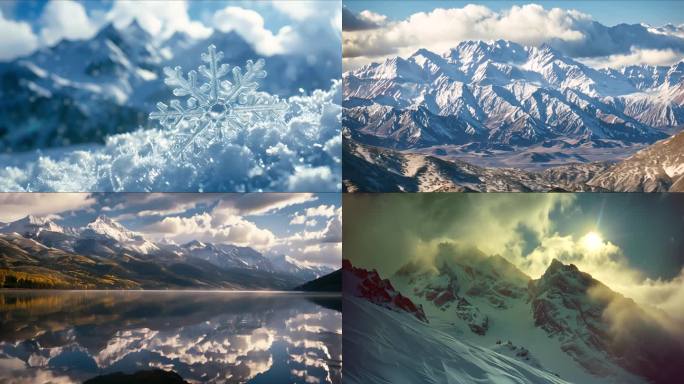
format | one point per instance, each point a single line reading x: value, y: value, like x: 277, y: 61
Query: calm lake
x: 214, y: 337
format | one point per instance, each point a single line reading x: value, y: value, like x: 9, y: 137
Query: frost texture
x: 217, y: 110
x: 301, y: 154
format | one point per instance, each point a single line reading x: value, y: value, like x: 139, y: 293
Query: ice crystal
x: 218, y: 109
x: 301, y: 155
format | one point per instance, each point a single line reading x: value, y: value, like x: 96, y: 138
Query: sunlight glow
x: 592, y: 241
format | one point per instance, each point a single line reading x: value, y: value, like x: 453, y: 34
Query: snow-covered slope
x: 383, y: 346
x: 560, y: 322
x: 227, y: 255
x: 105, y: 227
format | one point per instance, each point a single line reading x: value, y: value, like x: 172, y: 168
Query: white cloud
x: 572, y: 32
x: 321, y: 210
x: 235, y: 230
x: 17, y: 39
x: 298, y: 10
x: 65, y: 19
x: 312, y: 179
x: 298, y: 219
x: 319, y: 246
x: 18, y: 205
x: 442, y: 29
x: 250, y: 25
x: 160, y: 18
x: 373, y: 17
x: 635, y: 57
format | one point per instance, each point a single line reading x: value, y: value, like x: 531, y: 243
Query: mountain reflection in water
x: 215, y: 337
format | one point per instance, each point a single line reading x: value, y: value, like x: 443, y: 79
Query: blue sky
x: 606, y: 12
x: 304, y: 226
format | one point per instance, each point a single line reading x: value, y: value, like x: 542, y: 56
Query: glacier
x: 301, y: 154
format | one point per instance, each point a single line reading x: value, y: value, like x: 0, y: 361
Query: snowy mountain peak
x: 31, y: 226
x: 106, y: 226
x: 134, y: 29
x: 194, y: 244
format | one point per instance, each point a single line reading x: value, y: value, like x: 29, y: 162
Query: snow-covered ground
x: 302, y: 155
x: 383, y: 346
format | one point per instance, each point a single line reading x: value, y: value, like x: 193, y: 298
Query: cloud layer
x: 371, y: 37
x: 530, y: 230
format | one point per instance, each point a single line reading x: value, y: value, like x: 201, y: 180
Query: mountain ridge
x: 105, y: 254
x: 499, y: 104
x: 561, y: 320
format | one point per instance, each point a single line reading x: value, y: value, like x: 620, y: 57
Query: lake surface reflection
x: 214, y: 337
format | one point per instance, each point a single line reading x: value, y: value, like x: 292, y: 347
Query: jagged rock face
x: 461, y: 281
x: 360, y: 282
x: 578, y: 310
x: 561, y: 305
x: 501, y: 93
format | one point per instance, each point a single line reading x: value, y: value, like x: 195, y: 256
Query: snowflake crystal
x: 218, y: 109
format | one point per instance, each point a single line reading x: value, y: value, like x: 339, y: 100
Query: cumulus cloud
x: 322, y: 246
x: 572, y: 32
x: 441, y: 29
x: 363, y: 21
x: 17, y: 40
x: 250, y: 25
x: 66, y: 19
x: 234, y: 230
x: 18, y: 205
x: 160, y: 18
x: 298, y: 9
x: 319, y: 211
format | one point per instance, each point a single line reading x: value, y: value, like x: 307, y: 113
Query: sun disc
x: 593, y: 241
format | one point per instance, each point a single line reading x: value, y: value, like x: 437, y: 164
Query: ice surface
x: 303, y: 153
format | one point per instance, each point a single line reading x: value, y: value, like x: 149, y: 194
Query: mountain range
x: 499, y: 104
x: 80, y: 91
x: 564, y: 326
x: 38, y: 253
